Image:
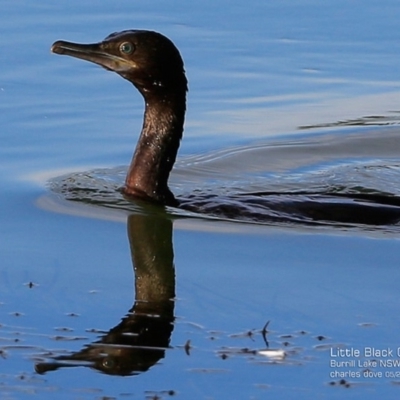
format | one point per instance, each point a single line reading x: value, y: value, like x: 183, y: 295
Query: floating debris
x: 264, y: 333
x: 63, y: 329
x: 224, y: 351
x: 17, y: 314
x: 274, y: 354
x: 96, y: 331
x: 150, y: 395
x: 187, y: 347
x: 367, y: 324
x: 68, y: 338
x: 287, y: 336
x: 342, y: 383
x: 31, y: 284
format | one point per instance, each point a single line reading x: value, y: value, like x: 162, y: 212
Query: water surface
x: 285, y: 94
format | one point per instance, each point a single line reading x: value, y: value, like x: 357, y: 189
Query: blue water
x: 257, y: 72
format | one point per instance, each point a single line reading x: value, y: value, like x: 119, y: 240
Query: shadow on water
x: 141, y: 338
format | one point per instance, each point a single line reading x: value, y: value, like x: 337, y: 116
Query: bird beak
x: 93, y: 53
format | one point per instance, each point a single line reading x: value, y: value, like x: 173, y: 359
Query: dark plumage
x: 153, y: 64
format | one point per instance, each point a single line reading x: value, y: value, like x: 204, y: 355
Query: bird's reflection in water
x: 140, y: 340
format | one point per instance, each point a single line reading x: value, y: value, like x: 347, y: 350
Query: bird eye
x: 126, y: 48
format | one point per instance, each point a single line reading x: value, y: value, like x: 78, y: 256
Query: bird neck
x: 156, y: 150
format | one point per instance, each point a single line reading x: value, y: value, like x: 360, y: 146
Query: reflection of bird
x: 153, y: 64
x: 140, y: 340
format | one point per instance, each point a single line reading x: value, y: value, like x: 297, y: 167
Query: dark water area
x: 103, y: 298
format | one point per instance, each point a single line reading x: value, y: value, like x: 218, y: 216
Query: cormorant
x: 154, y: 65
